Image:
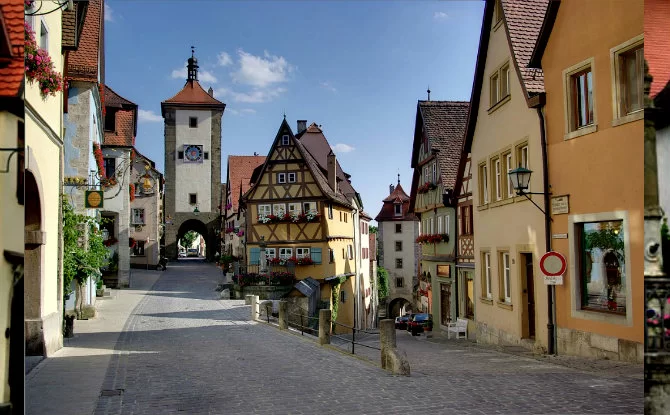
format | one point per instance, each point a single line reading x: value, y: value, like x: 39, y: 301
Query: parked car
x: 401, y: 322
x: 409, y: 319
x: 192, y: 252
x: 420, y: 323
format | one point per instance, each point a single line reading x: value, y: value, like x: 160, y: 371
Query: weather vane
x: 192, y: 51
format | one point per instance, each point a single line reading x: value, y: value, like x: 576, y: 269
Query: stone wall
x: 581, y: 343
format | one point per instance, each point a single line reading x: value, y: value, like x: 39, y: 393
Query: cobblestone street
x: 182, y: 350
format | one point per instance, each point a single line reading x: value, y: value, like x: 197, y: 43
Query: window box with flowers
x: 230, y: 230
x: 111, y: 241
x: 131, y: 190
x: 39, y: 66
x: 432, y: 238
x: 268, y: 219
x: 97, y: 153
x: 426, y: 187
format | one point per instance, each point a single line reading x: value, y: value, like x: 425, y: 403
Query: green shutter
x: 316, y: 255
x: 255, y: 256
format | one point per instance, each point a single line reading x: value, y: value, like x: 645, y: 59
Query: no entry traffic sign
x: 553, y: 266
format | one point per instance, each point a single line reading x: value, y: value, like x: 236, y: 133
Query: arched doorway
x: 34, y: 240
x: 196, y: 238
x: 398, y: 307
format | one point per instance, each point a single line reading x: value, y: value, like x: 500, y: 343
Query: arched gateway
x: 192, y: 122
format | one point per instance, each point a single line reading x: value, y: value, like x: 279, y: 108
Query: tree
x: 188, y: 239
x: 383, y: 285
x: 373, y: 229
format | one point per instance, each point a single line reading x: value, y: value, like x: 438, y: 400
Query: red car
x: 401, y: 322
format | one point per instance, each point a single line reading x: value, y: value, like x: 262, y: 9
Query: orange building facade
x: 594, y: 118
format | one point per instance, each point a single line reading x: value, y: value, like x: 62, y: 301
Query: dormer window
x: 284, y: 140
x: 110, y: 120
x: 398, y: 209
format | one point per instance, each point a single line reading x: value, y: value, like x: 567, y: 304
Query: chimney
x: 332, y: 171
x: 391, y: 188
x: 302, y: 126
x: 210, y: 91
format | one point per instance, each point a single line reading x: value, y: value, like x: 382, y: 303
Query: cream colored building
x: 44, y: 178
x: 503, y: 133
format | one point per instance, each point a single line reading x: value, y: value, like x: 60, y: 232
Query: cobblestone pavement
x: 184, y: 351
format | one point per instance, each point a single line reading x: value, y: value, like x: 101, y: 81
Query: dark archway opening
x: 193, y: 240
x: 399, y: 307
x: 34, y: 334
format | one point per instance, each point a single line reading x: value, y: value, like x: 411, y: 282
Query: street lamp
x: 520, y: 178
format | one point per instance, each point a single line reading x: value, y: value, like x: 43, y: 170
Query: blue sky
x: 356, y: 68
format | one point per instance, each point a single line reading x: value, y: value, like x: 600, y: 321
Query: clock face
x: 193, y: 153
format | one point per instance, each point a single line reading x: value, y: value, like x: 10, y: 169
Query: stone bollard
x: 283, y: 315
x: 393, y: 359
x: 324, y: 326
x: 225, y: 294
x: 247, y: 299
x: 254, y: 307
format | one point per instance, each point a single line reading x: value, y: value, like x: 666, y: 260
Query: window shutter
x: 316, y: 255
x: 255, y: 256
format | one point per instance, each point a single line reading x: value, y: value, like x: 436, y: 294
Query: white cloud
x: 440, y: 16
x: 243, y: 111
x: 328, y: 86
x: 109, y: 13
x: 342, y: 148
x: 255, y: 96
x: 148, y: 116
x: 203, y: 76
x: 261, y: 71
x: 225, y: 59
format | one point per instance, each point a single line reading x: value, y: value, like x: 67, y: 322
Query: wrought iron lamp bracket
x: 9, y: 159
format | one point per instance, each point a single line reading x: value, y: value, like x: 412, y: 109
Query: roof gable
x: 240, y: 172
x: 192, y: 94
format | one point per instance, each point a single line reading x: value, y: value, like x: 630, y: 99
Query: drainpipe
x: 551, y: 305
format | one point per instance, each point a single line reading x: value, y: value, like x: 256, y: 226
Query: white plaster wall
x: 364, y: 268
x: 407, y: 254
x: 193, y: 177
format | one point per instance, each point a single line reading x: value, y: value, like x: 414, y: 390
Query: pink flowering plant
x: 39, y: 66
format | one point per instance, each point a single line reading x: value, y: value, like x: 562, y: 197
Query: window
x: 110, y: 120
x: 398, y: 209
x: 494, y: 86
x: 426, y: 176
x: 431, y: 227
x: 110, y: 167
x: 281, y: 177
x: 398, y: 246
x: 398, y: 227
x: 291, y: 177
x: 331, y: 255
x: 582, y: 99
x: 522, y: 157
x: 446, y: 224
x: 285, y: 140
x: 346, y: 217
x: 602, y: 266
x: 44, y: 36
x: 628, y: 71
x: 285, y: 253
x: 398, y: 263
x: 350, y: 251
x: 504, y: 81
x: 439, y: 224
x: 193, y: 122
x: 330, y: 210
x: 138, y: 187
x: 180, y: 155
x: 294, y: 208
x: 138, y: 249
x: 399, y: 282
x: 505, y: 281
x: 483, y: 185
x: 206, y: 155
x: 302, y: 253
x: 466, y: 220
x: 309, y: 207
x: 434, y: 172
x: 498, y: 178
x: 270, y: 253
x: 486, y: 275
x: 192, y: 198
x: 137, y: 216
x: 264, y: 210
x: 278, y: 209
x: 508, y: 166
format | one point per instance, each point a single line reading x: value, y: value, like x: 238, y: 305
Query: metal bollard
x: 324, y: 326
x: 283, y: 315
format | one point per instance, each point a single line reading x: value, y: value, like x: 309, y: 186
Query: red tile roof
x: 82, y: 64
x: 387, y: 211
x: 657, y: 43
x: 523, y: 19
x: 11, y: 75
x: 193, y: 93
x: 240, y: 169
x: 126, y: 119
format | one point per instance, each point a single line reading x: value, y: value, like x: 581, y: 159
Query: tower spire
x: 428, y: 90
x: 398, y: 179
x: 192, y: 66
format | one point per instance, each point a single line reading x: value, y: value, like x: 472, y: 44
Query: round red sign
x: 553, y: 264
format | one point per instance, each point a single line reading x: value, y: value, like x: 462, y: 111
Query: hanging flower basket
x: 97, y: 153
x: 111, y: 241
x: 131, y: 189
x: 39, y: 66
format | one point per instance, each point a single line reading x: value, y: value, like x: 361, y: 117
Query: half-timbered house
x: 303, y: 213
x: 465, y: 245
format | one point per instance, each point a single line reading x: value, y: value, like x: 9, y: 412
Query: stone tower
x: 192, y: 120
